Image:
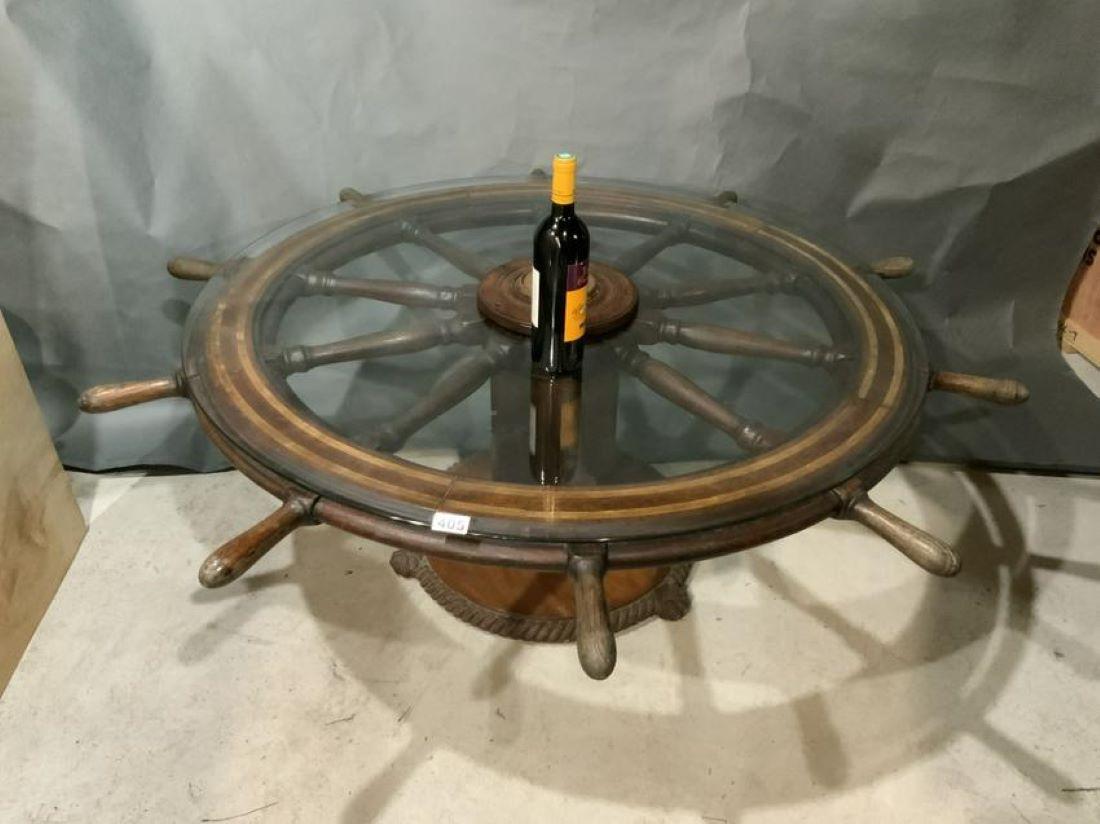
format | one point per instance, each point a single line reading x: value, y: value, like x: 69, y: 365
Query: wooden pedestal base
x: 538, y: 606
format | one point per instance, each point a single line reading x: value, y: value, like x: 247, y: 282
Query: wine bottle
x: 559, y: 278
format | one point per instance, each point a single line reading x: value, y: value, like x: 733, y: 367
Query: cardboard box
x: 40, y: 524
x: 1080, y: 324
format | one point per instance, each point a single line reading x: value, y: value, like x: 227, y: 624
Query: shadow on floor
x: 892, y: 697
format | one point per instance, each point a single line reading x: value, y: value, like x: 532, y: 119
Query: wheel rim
x: 252, y: 408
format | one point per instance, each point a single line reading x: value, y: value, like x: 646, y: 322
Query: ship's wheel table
x: 370, y: 367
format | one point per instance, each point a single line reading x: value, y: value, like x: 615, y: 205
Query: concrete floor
x: 819, y: 678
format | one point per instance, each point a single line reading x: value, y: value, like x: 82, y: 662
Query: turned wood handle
x: 595, y: 641
x: 112, y: 396
x: 918, y: 546
x: 1006, y: 391
x: 350, y: 195
x: 893, y: 267
x: 189, y: 268
x: 233, y: 558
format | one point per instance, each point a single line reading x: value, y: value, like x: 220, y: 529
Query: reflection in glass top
x: 722, y: 362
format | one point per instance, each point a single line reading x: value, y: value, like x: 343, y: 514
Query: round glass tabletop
x: 376, y: 354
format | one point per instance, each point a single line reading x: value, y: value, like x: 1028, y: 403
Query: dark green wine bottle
x: 559, y: 278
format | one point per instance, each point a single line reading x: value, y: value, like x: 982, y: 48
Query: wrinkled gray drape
x: 964, y: 134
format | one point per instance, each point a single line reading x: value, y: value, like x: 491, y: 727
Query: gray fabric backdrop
x: 966, y: 134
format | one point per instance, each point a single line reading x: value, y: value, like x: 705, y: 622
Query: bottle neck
x: 561, y: 209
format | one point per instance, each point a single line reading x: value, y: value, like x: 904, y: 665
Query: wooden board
x: 40, y: 523
x: 1080, y: 327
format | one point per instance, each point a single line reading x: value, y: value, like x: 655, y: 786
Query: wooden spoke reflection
x: 465, y: 260
x: 727, y: 341
x: 634, y: 259
x: 685, y: 393
x: 460, y: 380
x: 402, y: 292
x: 416, y: 338
x: 719, y: 290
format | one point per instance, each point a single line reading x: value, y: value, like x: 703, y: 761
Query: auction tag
x: 450, y: 522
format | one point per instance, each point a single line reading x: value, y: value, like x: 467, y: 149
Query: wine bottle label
x: 576, y: 300
x: 534, y: 296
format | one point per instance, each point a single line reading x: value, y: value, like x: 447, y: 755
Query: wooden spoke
x: 111, y: 396
x: 595, y: 640
x: 728, y: 341
x: 924, y: 550
x: 634, y: 259
x: 462, y: 259
x: 735, y: 286
x: 380, y: 344
x: 685, y: 393
x: 1005, y: 391
x: 402, y: 292
x: 233, y: 558
x: 460, y: 380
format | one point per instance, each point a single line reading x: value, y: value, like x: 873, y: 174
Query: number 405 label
x: 450, y: 522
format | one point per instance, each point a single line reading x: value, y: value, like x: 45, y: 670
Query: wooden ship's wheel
x: 740, y: 383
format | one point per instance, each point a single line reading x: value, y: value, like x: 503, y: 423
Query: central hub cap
x: 504, y: 298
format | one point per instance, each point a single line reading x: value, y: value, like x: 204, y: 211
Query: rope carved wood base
x: 669, y: 599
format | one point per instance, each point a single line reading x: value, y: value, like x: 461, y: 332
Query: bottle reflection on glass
x: 555, y: 427
x: 559, y: 278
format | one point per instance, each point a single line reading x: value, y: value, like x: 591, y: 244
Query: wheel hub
x: 504, y: 298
